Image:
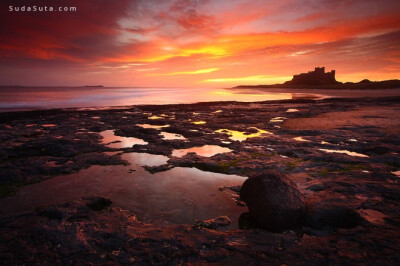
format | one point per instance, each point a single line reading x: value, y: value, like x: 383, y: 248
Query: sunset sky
x: 203, y: 43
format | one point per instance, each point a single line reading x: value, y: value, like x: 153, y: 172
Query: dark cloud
x: 72, y: 36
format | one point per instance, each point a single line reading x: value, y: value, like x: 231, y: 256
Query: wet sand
x: 382, y: 118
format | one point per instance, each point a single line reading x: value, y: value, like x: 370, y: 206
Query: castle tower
x: 314, y: 78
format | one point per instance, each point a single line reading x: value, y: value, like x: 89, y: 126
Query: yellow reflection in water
x: 167, y: 116
x: 325, y: 143
x: 277, y: 119
x: 241, y: 136
x: 248, y: 95
x: 199, y: 122
x: 351, y: 153
x: 301, y: 139
x: 154, y: 117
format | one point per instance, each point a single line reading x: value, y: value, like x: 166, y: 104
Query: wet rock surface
x: 274, y: 201
x: 98, y: 203
x: 221, y: 221
x: 334, y: 217
x: 352, y: 201
x: 84, y: 236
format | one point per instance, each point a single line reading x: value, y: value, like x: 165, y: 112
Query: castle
x: 316, y: 77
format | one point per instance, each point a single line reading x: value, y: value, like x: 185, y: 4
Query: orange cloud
x: 231, y: 45
x: 260, y: 79
x: 194, y: 72
x: 192, y: 43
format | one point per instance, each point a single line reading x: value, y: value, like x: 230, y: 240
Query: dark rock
x: 98, y: 203
x: 51, y: 213
x: 246, y: 221
x: 6, y: 257
x: 220, y: 221
x: 334, y: 217
x: 240, y: 202
x: 316, y: 187
x: 376, y: 150
x: 274, y: 201
x: 235, y: 188
x: 111, y: 241
x: 158, y: 169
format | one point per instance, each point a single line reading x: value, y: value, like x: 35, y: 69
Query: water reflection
x: 151, y: 126
x: 145, y: 159
x: 301, y: 139
x: 177, y: 196
x: 199, y: 122
x: 240, y: 135
x: 396, y: 173
x: 205, y: 151
x: 351, y: 153
x: 27, y: 98
x: 251, y: 95
x: 51, y: 163
x: 168, y: 116
x: 154, y: 117
x: 277, y: 119
x: 373, y: 216
x: 123, y: 142
x: 172, y: 136
x: 291, y: 110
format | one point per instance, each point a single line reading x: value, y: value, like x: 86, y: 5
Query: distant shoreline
x: 25, y: 99
x: 20, y: 86
x: 362, y: 85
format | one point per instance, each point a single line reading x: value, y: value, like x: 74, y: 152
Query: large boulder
x: 274, y: 201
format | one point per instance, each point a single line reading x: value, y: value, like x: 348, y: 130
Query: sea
x: 36, y: 98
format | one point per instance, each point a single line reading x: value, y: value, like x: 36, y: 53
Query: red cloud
x: 203, y: 34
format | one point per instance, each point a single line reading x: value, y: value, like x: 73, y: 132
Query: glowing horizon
x: 198, y: 43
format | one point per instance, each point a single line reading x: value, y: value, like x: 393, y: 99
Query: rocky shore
x: 336, y: 159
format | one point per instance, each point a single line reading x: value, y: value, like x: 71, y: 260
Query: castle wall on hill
x: 316, y: 77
